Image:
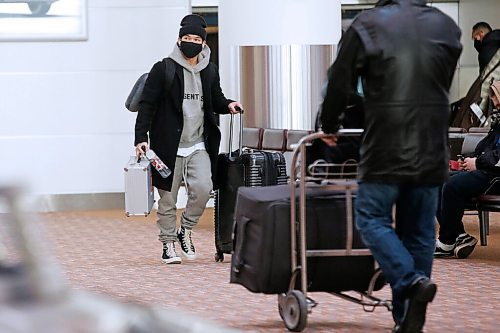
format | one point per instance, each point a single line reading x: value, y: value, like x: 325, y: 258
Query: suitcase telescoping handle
x: 240, y: 146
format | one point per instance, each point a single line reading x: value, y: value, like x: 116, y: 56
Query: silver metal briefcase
x: 139, y: 192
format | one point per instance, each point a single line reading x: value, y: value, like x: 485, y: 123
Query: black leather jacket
x: 487, y: 49
x: 406, y: 54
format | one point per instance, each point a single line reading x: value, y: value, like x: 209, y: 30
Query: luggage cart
x: 295, y: 305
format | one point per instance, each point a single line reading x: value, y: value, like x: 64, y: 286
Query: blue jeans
x: 405, y: 254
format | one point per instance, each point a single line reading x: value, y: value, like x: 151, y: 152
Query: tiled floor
x: 107, y: 253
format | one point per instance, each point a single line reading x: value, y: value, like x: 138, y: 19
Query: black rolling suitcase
x: 261, y: 258
x: 241, y: 168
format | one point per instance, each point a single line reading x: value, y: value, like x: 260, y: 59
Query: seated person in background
x: 346, y: 147
x: 474, y: 178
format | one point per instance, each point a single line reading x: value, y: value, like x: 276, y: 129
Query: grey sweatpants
x: 195, y: 169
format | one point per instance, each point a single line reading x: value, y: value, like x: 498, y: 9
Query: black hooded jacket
x: 161, y: 116
x: 407, y: 64
x: 488, y: 47
x: 488, y: 152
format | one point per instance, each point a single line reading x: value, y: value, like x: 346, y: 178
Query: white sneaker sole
x: 442, y: 255
x: 175, y: 260
x: 189, y: 257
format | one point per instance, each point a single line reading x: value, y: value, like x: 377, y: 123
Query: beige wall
x: 62, y: 101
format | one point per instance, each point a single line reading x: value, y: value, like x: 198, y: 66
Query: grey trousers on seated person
x: 195, y: 169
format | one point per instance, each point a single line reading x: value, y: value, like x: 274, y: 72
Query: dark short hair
x: 480, y: 25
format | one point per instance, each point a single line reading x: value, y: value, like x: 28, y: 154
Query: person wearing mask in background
x: 486, y: 43
x: 406, y: 65
x: 183, y: 132
x: 477, y: 172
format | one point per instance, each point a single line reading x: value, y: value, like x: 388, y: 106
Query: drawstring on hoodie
x: 184, y: 173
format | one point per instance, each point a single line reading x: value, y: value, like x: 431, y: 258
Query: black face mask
x: 478, y: 44
x: 190, y: 49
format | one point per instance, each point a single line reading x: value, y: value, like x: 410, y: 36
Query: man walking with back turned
x: 406, y: 64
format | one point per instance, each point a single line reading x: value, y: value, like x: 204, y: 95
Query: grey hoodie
x: 192, y: 105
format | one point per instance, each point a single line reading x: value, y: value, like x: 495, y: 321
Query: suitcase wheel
x: 294, y: 311
x: 219, y: 256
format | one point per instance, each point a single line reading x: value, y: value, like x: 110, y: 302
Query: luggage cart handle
x: 318, y: 135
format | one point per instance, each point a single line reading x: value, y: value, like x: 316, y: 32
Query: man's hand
x: 330, y: 140
x: 235, y: 107
x: 468, y: 164
x: 141, y: 148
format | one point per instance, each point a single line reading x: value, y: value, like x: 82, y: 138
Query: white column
x: 282, y: 24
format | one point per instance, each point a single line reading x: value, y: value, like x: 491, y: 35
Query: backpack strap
x: 483, y: 78
x: 169, y: 72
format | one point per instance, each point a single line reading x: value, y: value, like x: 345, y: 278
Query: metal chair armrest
x: 493, y: 184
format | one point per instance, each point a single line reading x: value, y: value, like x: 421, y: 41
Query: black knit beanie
x: 193, y: 25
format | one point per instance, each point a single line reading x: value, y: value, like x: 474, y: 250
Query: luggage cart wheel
x: 295, y: 311
x: 219, y: 256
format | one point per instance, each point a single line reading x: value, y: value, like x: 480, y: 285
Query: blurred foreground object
x: 34, y: 296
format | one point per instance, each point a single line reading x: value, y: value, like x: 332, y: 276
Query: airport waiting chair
x: 274, y: 139
x: 487, y: 202
x: 483, y: 130
x: 252, y: 137
x: 292, y: 138
x: 455, y: 141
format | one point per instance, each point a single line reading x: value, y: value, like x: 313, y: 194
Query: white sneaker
x: 169, y: 255
x: 444, y: 250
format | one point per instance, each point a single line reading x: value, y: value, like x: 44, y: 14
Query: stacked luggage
x: 249, y: 168
x: 293, y: 239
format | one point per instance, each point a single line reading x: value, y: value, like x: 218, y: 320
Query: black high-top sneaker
x: 169, y: 255
x: 187, y: 247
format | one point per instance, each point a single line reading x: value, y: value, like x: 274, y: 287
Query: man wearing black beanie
x: 193, y: 25
x: 406, y: 69
x: 183, y: 132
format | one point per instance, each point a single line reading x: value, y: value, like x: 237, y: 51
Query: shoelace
x: 171, y: 250
x: 186, y: 239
